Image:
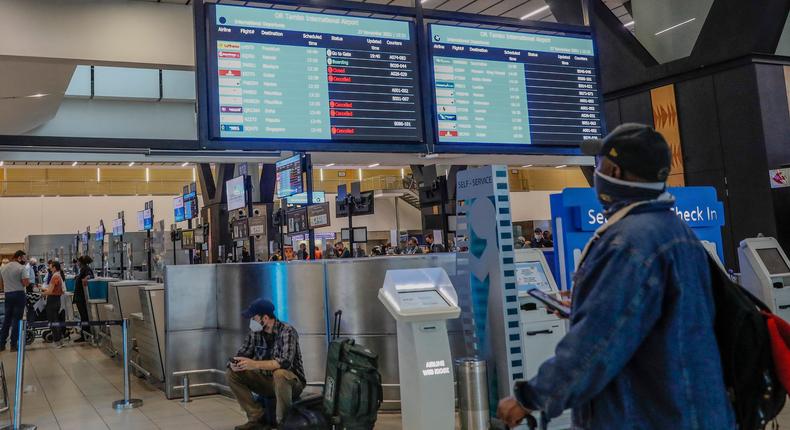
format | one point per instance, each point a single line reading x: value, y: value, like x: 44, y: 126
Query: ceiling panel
x: 528, y: 8
x: 503, y: 7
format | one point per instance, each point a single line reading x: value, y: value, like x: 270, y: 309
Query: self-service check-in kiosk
x: 541, y: 329
x: 421, y: 300
x: 765, y: 272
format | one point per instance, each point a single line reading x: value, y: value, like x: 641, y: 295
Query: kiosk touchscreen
x: 765, y: 272
x: 541, y: 329
x: 421, y: 300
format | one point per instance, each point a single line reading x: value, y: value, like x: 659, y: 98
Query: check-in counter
x: 148, y: 327
x: 122, y: 301
x: 96, y: 295
x: 70, y: 282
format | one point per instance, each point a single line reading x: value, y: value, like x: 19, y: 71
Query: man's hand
x: 244, y: 363
x: 511, y: 412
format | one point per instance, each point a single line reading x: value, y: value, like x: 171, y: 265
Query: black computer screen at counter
x: 513, y: 87
x: 277, y: 74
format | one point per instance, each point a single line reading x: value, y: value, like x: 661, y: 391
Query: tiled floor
x: 74, y: 387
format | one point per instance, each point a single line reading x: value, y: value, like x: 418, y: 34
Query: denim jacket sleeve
x: 617, y: 302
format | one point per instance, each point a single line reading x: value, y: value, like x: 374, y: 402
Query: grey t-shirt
x: 12, y: 274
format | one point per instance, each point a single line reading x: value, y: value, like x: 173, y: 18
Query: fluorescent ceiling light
x: 535, y: 12
x: 147, y: 175
x: 98, y: 174
x: 1, y: 163
x: 321, y: 174
x: 185, y: 164
x: 131, y: 164
x: 560, y: 166
x: 374, y: 165
x: 38, y: 95
x: 628, y: 24
x: 73, y: 164
x: 526, y: 165
x: 330, y: 165
x: 675, y: 26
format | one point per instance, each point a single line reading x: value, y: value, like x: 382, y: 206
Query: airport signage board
x: 513, y: 88
x: 292, y: 75
x: 318, y: 215
x: 576, y: 214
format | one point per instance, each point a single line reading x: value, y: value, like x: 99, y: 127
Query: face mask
x: 611, y: 190
x: 537, y: 236
x: 255, y: 326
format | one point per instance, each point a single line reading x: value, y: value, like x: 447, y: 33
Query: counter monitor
x: 190, y: 205
x: 178, y: 208
x: 237, y: 196
x: 281, y: 74
x: 513, y: 88
x: 289, y: 176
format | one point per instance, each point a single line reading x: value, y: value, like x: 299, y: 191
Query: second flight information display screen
x: 505, y: 87
x: 278, y: 74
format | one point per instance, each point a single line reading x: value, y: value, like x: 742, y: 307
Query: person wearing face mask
x: 537, y: 239
x: 269, y: 363
x: 14, y: 278
x: 641, y: 351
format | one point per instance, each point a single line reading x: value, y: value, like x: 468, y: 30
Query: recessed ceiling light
x: 185, y: 164
x: 628, y: 24
x: 675, y: 26
x: 74, y: 164
x: 535, y: 12
x: 131, y: 164
x: 374, y: 165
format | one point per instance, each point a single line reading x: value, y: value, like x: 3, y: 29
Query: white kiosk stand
x: 421, y: 300
x: 541, y: 329
x: 765, y: 272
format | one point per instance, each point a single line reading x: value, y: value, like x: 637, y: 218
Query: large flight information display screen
x: 279, y: 74
x: 501, y: 87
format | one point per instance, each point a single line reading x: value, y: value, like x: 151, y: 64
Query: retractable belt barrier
x: 126, y: 403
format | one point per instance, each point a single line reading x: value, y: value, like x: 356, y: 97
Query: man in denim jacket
x: 641, y: 352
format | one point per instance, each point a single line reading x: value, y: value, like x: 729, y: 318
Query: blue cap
x: 259, y: 307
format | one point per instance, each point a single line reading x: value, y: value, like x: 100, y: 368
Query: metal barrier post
x: 127, y: 402
x: 20, y: 373
x: 185, y: 383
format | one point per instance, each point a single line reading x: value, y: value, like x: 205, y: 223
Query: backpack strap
x: 619, y: 215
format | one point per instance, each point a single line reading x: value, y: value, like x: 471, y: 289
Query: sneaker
x: 251, y: 425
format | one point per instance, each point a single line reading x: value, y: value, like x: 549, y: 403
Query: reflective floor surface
x: 73, y: 389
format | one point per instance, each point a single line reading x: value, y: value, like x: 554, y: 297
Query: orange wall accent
x: 665, y: 120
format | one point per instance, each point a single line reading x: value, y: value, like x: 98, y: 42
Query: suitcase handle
x: 336, y: 326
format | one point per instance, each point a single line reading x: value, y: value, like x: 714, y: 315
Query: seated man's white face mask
x: 255, y: 326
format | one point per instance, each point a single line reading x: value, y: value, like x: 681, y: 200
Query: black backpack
x: 306, y: 414
x: 756, y: 394
x: 352, y: 390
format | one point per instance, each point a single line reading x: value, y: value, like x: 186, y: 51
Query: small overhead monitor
x: 773, y: 261
x: 301, y: 198
x: 117, y: 227
x: 178, y: 208
x: 148, y: 219
x: 360, y: 235
x: 99, y: 232
x: 85, y: 237
x: 237, y: 195
x: 531, y: 274
x: 190, y: 205
x: 296, y: 219
x: 187, y: 239
x: 364, y: 206
x: 141, y: 220
x: 289, y: 176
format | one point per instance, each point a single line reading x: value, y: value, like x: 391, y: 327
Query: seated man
x: 269, y: 363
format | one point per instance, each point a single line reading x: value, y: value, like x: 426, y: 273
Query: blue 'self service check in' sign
x: 277, y: 74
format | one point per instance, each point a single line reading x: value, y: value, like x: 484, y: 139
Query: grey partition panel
x: 353, y: 287
x: 190, y: 295
x: 124, y: 298
x: 191, y: 350
x: 296, y: 289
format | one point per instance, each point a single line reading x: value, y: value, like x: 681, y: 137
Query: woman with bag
x: 53, y: 293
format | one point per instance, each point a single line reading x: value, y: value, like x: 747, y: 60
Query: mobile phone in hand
x: 550, y: 302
